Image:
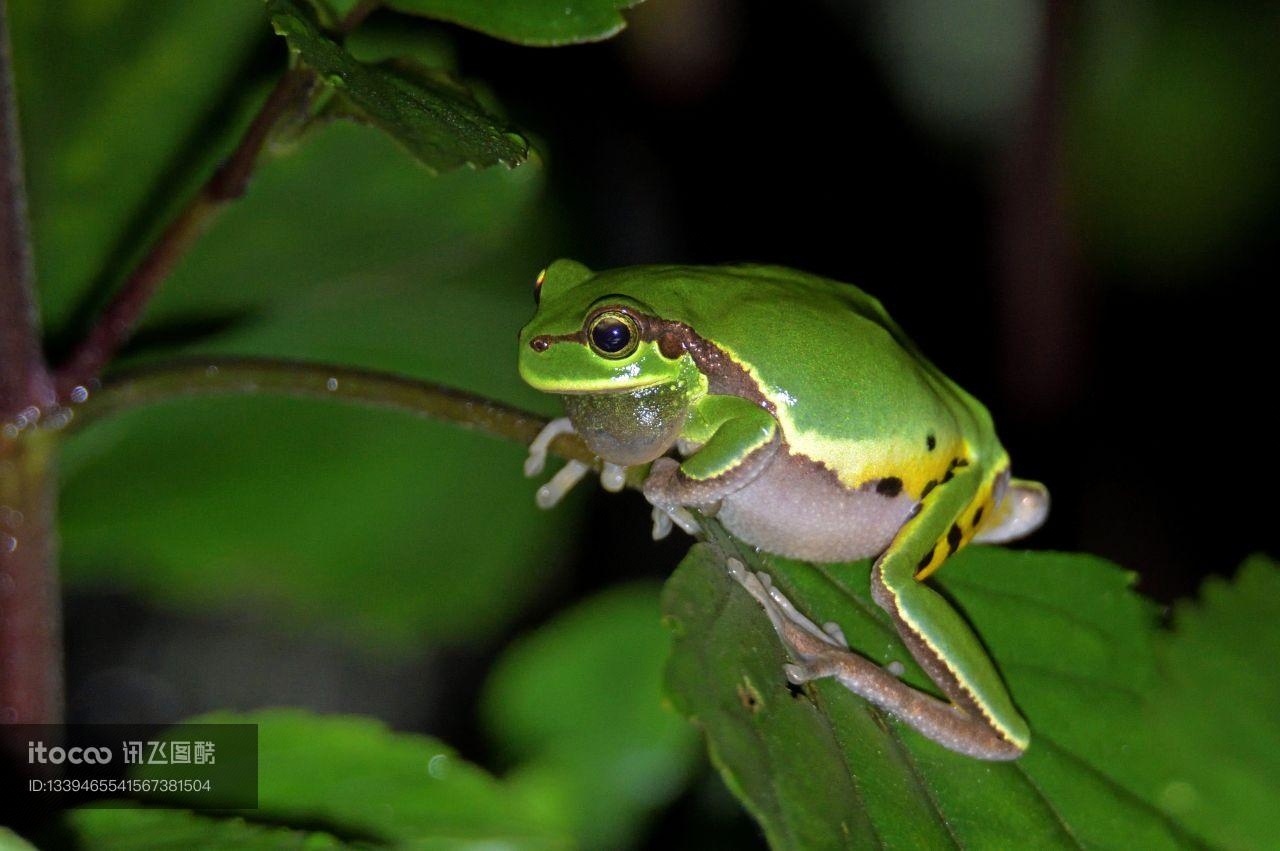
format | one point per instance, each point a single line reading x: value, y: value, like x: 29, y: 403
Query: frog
x: 794, y: 411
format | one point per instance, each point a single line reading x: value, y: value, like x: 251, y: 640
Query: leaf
x: 577, y: 704
x: 137, y: 829
x: 371, y: 525
x: 1212, y: 759
x: 434, y: 117
x: 821, y: 768
x: 10, y: 841
x: 532, y: 22
x: 352, y: 778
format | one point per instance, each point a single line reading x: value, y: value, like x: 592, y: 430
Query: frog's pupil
x: 611, y: 335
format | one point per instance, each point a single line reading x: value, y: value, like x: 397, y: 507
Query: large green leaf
x: 820, y: 768
x: 436, y: 118
x: 577, y: 704
x: 532, y: 22
x: 348, y: 777
x: 1212, y: 758
x: 366, y: 523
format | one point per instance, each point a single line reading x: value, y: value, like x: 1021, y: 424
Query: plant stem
x: 116, y: 322
x: 221, y: 376
x: 30, y: 615
x: 30, y: 608
x: 24, y: 378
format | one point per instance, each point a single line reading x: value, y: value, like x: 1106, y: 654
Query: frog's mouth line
x: 612, y: 390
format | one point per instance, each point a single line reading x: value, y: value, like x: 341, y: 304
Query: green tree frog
x: 810, y: 427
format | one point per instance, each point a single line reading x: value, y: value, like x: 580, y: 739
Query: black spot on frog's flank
x: 924, y: 562
x: 889, y: 486
x: 931, y: 442
x: 928, y: 486
x: 953, y: 538
x: 956, y: 464
x: 977, y: 517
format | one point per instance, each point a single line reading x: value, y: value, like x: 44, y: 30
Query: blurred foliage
x: 10, y: 841
x: 1124, y: 750
x: 576, y: 706
x: 1173, y: 123
x: 344, y: 251
x: 118, y: 102
x: 963, y: 69
x: 340, y: 782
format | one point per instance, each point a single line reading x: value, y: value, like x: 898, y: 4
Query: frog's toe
x: 613, y: 477
x: 684, y: 518
x: 561, y: 483
x: 662, y: 524
x: 537, y: 460
x: 788, y: 610
x: 833, y: 629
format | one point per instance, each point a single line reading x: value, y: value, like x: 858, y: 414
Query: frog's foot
x: 821, y: 651
x: 613, y: 477
x: 665, y: 518
x: 667, y: 513
x: 797, y: 632
x: 537, y: 460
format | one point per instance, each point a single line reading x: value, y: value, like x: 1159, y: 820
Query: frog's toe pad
x: 662, y: 524
x: 613, y: 478
x: 561, y: 483
x: 537, y: 460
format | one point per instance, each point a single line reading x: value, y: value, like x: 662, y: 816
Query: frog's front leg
x: 935, y: 633
x: 737, y: 441
x: 612, y: 476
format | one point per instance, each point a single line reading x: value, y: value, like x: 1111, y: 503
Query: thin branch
x: 24, y: 378
x: 221, y: 376
x: 116, y: 322
x: 120, y: 317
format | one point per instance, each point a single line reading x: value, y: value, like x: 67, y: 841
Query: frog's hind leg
x: 987, y: 725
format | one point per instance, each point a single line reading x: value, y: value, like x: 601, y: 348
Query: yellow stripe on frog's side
x: 857, y: 462
x: 980, y: 512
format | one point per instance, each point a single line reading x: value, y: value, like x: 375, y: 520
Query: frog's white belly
x: 798, y: 509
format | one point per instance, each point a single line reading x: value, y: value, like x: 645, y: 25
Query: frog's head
x: 625, y: 377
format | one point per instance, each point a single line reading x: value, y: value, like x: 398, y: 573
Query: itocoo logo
x: 37, y: 752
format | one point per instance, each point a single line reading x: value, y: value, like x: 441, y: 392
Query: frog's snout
x: 540, y: 343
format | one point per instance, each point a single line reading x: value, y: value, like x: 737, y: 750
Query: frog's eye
x: 537, y: 287
x: 613, y: 334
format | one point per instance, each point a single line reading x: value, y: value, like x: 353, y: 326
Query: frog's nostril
x: 540, y: 343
